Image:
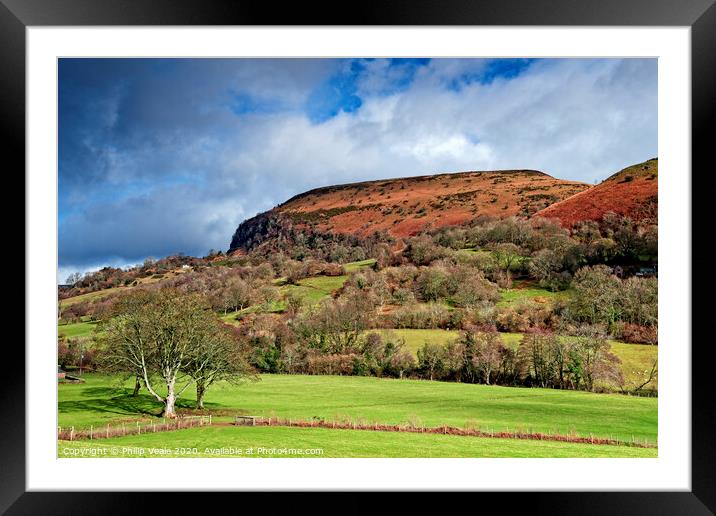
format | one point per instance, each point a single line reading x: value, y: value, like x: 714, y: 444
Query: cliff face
x: 405, y: 206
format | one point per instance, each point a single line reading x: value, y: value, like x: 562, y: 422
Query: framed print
x: 428, y: 251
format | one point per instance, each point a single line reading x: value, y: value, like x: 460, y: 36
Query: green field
x: 355, y: 266
x: 331, y: 443
x: 527, y: 291
x: 101, y: 400
x: 312, y: 290
x: 80, y: 329
x: 90, y: 296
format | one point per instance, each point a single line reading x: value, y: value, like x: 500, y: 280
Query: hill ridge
x: 633, y: 192
x: 404, y: 206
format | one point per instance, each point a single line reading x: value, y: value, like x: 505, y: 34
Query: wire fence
x: 139, y: 428
x: 444, y: 429
x: 135, y: 428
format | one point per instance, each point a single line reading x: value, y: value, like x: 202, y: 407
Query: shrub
x: 510, y: 320
x: 473, y: 290
x: 431, y: 361
x: 403, y: 296
x: 432, y: 283
x: 636, y: 333
x: 421, y: 316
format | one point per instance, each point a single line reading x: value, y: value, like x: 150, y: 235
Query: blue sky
x: 159, y: 156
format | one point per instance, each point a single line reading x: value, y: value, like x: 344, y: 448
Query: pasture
x: 105, y: 399
x: 528, y: 291
x: 235, y: 441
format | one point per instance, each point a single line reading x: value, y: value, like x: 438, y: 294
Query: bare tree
x: 156, y: 334
x: 219, y: 357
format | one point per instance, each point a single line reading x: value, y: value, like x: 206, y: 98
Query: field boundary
x: 138, y: 428
x: 446, y: 430
x: 181, y: 423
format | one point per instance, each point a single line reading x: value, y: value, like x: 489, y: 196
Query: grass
x: 312, y: 290
x: 527, y: 291
x: 355, y: 266
x: 90, y: 296
x: 80, y: 329
x: 99, y: 294
x: 637, y: 359
x: 414, y: 339
x: 102, y: 400
x: 332, y: 443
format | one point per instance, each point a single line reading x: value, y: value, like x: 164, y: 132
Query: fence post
x: 72, y: 433
x: 107, y: 430
x: 91, y: 431
x: 139, y: 429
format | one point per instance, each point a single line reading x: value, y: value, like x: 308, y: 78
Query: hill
x: 632, y: 192
x: 405, y: 206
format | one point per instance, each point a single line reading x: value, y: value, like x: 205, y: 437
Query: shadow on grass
x: 117, y: 401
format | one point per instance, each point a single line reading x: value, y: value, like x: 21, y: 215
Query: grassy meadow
x: 105, y: 399
x: 327, y: 443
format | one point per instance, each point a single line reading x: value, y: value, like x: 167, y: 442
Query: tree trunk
x: 137, y: 386
x: 200, y: 389
x: 169, y: 402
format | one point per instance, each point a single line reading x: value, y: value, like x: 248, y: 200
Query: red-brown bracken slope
x: 405, y: 206
x: 632, y: 192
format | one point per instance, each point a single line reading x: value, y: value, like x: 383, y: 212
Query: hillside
x: 405, y: 206
x: 632, y: 191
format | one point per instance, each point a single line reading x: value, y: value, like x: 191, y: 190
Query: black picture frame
x: 699, y: 15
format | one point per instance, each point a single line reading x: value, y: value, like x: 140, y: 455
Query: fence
x: 446, y: 430
x: 137, y: 428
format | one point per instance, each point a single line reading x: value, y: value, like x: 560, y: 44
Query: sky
x: 161, y: 156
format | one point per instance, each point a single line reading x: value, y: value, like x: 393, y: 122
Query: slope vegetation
x: 631, y: 192
x: 406, y: 206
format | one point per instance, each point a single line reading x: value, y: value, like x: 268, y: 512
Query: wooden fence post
x: 72, y: 433
x: 91, y: 431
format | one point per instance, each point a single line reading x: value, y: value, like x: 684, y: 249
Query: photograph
x: 357, y: 257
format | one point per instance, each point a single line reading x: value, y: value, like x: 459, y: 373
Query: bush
x: 474, y: 290
x: 431, y: 361
x: 403, y: 296
x: 421, y: 250
x: 428, y: 316
x: 636, y: 333
x: 510, y: 320
x: 432, y: 284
